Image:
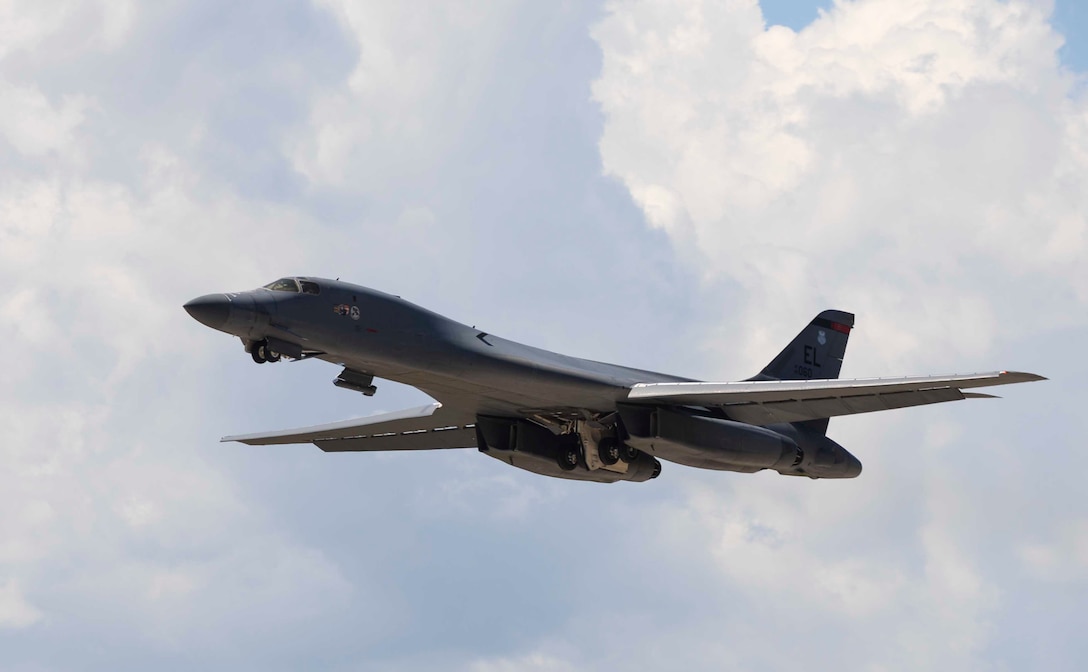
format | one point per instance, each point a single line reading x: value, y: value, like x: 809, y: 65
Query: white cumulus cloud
x: 920, y: 163
x: 417, y: 80
x: 907, y: 160
x: 15, y: 611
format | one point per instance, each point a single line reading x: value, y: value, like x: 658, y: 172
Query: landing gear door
x: 590, y: 434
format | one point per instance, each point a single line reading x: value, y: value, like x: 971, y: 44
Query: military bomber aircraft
x: 558, y: 415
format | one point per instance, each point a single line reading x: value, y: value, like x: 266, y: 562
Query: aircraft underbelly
x: 513, y: 394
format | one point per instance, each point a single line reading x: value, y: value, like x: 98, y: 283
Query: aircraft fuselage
x: 559, y: 415
x: 383, y: 335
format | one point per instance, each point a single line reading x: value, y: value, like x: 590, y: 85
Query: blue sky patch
x: 795, y: 14
x: 1071, y: 20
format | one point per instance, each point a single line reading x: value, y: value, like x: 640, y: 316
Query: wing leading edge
x: 767, y: 402
x: 430, y: 427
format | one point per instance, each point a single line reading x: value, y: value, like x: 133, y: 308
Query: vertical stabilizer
x: 816, y: 353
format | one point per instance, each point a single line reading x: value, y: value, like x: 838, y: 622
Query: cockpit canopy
x: 294, y: 285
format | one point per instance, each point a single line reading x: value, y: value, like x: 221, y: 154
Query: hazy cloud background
x: 671, y: 185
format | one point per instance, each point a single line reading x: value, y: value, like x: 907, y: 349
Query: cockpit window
x: 309, y: 287
x: 283, y: 285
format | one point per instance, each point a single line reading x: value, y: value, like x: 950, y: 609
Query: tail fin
x: 816, y: 353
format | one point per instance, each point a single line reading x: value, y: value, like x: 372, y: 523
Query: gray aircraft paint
x: 559, y: 415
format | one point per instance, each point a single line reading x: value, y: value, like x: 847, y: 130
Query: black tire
x: 608, y: 449
x: 271, y: 356
x: 629, y: 454
x: 256, y: 351
x: 569, y: 456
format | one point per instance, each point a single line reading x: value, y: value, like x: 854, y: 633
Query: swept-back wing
x: 767, y: 402
x: 425, y: 428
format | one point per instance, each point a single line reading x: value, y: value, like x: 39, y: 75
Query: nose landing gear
x: 261, y: 353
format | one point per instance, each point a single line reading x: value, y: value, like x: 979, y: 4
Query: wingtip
x: 1022, y: 376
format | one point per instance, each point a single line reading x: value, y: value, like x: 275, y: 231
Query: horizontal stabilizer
x: 424, y: 428
x: 766, y: 402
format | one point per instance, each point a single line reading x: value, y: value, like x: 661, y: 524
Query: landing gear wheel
x: 568, y: 456
x: 257, y: 352
x: 608, y: 449
x: 271, y: 356
x: 629, y: 454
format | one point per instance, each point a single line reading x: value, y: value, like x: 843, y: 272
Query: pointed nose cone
x: 212, y: 310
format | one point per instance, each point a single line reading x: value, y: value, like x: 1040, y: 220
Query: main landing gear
x: 261, y: 353
x: 570, y: 453
x: 608, y: 451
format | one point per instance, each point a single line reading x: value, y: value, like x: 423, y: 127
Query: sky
x: 675, y: 186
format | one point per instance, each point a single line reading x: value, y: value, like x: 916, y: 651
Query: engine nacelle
x: 527, y: 445
x: 706, y: 442
x: 698, y: 440
x: 823, y: 458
